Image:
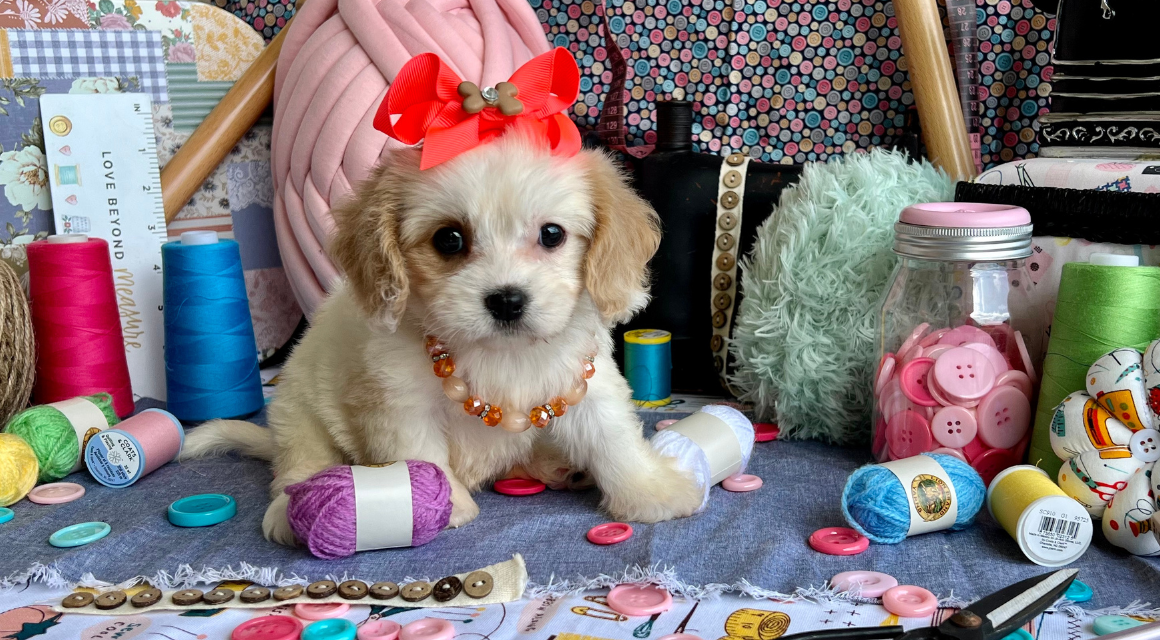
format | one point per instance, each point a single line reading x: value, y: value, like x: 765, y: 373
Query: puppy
x: 520, y: 262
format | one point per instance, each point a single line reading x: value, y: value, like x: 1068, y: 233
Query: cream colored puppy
x: 520, y: 262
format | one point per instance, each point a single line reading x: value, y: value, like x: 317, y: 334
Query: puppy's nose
x: 506, y: 305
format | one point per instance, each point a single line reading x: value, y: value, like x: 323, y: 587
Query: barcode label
x: 1058, y: 527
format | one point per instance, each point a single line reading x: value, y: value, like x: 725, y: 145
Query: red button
x: 518, y: 487
x: 912, y: 377
x: 1004, y: 417
x: 765, y: 431
x: 609, y: 533
x: 909, y: 434
x: 992, y: 461
x: 268, y: 628
x: 954, y: 427
x: 974, y: 449
x: 839, y: 541
x: 639, y: 600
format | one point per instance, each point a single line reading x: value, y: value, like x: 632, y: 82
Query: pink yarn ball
x: 322, y: 509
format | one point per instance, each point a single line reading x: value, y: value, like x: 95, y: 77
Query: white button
x: 1145, y: 445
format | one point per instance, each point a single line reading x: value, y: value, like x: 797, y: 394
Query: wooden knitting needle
x: 221, y: 130
x: 932, y: 80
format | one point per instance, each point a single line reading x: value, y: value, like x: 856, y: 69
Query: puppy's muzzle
x: 506, y: 305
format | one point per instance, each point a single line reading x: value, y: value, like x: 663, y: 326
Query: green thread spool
x: 1099, y: 308
x: 57, y: 432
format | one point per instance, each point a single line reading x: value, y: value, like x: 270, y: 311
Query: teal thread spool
x: 648, y: 365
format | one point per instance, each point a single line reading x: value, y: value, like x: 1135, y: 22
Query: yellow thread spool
x: 755, y: 624
x: 1051, y: 528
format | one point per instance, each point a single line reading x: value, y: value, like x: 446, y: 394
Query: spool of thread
x: 79, y: 347
x: 18, y: 468
x: 211, y: 358
x: 648, y: 366
x: 1099, y: 308
x: 1051, y: 529
x: 346, y: 509
x: 58, y: 432
x: 17, y: 345
x: 712, y: 444
x: 878, y: 506
x: 135, y: 448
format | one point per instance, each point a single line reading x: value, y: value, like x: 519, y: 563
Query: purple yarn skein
x: 322, y: 508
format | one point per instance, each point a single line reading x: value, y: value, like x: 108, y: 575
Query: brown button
x: 722, y: 118
x: 416, y: 591
x: 727, y: 221
x: 110, y: 600
x: 77, y: 600
x: 447, y: 588
x: 722, y: 282
x: 321, y: 589
x: 253, y: 595
x: 735, y: 159
x: 716, y: 343
x: 729, y: 199
x: 186, y: 597
x: 725, y: 242
x: 353, y: 590
x: 732, y: 179
x: 282, y: 594
x: 967, y: 619
x: 219, y: 596
x: 384, y: 590
x: 718, y: 319
x: 722, y: 301
x: 725, y: 262
x: 478, y: 584
x: 146, y: 597
x: 718, y: 363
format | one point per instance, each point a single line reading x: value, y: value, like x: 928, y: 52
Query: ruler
x: 106, y: 183
x: 965, y: 44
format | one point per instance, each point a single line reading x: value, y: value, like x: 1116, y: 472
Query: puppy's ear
x: 366, y: 247
x: 627, y: 235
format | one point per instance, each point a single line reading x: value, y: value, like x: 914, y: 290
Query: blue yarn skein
x: 874, y: 501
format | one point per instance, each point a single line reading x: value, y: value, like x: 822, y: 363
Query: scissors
x: 992, y: 618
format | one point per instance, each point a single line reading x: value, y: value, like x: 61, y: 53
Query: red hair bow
x: 429, y: 102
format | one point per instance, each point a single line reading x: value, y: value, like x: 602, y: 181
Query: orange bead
x: 589, y: 369
x: 559, y: 406
x: 539, y: 417
x: 431, y: 343
x: 444, y: 367
x: 474, y: 405
x: 492, y: 415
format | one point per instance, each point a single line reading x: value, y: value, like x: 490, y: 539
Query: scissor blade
x: 1027, y: 601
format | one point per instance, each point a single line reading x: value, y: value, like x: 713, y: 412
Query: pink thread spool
x: 137, y: 447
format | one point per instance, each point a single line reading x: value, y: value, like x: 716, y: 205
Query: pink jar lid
x: 964, y: 214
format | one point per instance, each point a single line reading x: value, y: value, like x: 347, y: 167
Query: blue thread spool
x: 211, y: 357
x: 648, y: 365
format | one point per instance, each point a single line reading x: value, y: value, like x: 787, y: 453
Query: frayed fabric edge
x: 185, y: 576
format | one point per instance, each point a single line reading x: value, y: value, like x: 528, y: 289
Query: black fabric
x: 1083, y: 34
x: 1118, y: 133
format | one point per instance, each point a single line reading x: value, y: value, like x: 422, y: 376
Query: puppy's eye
x: 551, y: 235
x: 448, y: 241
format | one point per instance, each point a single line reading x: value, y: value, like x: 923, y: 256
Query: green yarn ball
x: 52, y: 437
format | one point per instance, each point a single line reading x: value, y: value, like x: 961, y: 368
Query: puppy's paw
x: 276, y: 526
x: 663, y: 493
x: 463, y: 507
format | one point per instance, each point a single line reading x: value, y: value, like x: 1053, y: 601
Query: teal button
x: 332, y: 629
x: 6, y: 514
x: 79, y: 534
x: 1104, y: 625
x: 1019, y: 634
x: 1078, y: 592
x: 202, y: 510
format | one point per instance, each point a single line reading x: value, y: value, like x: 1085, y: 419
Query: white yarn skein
x: 689, y: 455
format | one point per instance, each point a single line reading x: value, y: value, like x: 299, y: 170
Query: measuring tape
x: 964, y: 41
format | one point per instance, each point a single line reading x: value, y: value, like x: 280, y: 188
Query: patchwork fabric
x: 71, y: 53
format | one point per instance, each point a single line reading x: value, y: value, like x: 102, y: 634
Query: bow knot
x: 428, y: 102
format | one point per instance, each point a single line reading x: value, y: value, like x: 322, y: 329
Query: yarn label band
x: 930, y: 495
x: 715, y: 438
x: 87, y: 420
x: 382, y: 499
x: 114, y: 458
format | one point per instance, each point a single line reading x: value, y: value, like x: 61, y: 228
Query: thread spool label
x: 1054, y: 531
x: 930, y: 495
x: 87, y: 420
x: 382, y: 499
x: 114, y: 458
x: 716, y: 439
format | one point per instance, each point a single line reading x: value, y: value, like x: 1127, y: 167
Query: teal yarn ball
x: 52, y: 437
x: 874, y: 501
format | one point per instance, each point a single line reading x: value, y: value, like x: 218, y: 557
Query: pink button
x: 381, y: 629
x: 885, y: 370
x: 268, y: 628
x: 907, y: 601
x: 321, y: 611
x: 1025, y: 357
x: 741, y: 482
x: 639, y: 599
x: 914, y: 337
x: 974, y: 449
x: 1015, y: 378
x: 56, y: 493
x: 958, y: 453
x: 665, y: 424
x: 965, y: 334
x: 909, y: 434
x: 1004, y: 417
x: 963, y: 374
x: 839, y: 541
x: 992, y: 461
x: 936, y: 350
x: 935, y: 392
x: 998, y: 362
x: 427, y: 629
x: 933, y: 337
x: 868, y: 584
x: 912, y: 377
x: 765, y: 431
x: 518, y: 487
x: 954, y: 427
x: 609, y: 533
